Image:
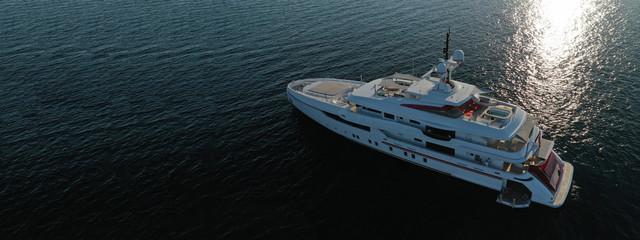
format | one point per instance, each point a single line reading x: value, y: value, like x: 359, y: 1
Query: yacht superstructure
x: 445, y: 125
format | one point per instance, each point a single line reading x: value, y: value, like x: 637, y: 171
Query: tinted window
x: 336, y: 117
x: 440, y: 148
x: 390, y: 116
x: 439, y: 134
x: 371, y: 109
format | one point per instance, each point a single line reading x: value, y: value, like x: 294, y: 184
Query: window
x: 439, y: 134
x: 376, y: 143
x: 413, y: 155
x: 440, y: 148
x: 414, y: 121
x: 336, y: 117
x: 371, y: 110
x: 424, y: 159
x: 418, y: 139
x: 390, y: 149
x: 369, y: 141
x: 405, y: 153
x: 389, y: 116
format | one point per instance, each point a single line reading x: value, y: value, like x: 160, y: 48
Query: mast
x: 445, y: 50
x: 446, y: 66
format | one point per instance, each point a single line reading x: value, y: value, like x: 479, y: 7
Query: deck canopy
x: 525, y: 132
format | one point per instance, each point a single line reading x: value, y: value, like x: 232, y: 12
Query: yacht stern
x: 565, y: 186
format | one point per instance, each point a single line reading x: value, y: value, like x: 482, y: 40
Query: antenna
x: 413, y: 66
x: 445, y: 50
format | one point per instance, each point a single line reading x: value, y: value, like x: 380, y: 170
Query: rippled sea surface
x: 169, y: 119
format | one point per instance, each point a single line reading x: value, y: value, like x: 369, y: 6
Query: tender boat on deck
x: 444, y: 125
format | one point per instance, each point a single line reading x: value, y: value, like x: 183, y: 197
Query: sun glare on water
x: 554, y: 38
x: 561, y: 25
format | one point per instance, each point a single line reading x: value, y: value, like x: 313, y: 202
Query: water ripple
x: 155, y: 119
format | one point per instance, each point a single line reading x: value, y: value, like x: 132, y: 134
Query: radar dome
x: 458, y: 56
x: 441, y: 69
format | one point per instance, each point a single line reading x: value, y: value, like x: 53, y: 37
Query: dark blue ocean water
x: 150, y: 119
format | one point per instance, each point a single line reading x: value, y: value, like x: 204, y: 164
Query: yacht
x: 444, y: 125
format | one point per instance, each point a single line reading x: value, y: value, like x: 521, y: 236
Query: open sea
x: 169, y: 119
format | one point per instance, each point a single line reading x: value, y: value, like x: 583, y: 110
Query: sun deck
x: 328, y: 88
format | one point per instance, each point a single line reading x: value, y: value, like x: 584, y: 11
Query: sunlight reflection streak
x: 549, y: 46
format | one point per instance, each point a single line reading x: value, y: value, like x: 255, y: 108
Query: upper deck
x: 452, y: 105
